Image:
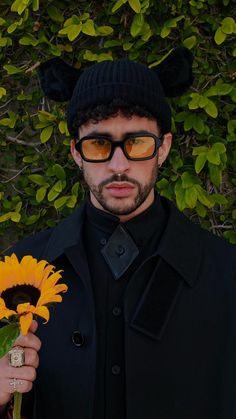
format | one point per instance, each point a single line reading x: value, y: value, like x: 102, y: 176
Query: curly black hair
x: 117, y: 106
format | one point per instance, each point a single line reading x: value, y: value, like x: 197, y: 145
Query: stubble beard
x: 119, y: 209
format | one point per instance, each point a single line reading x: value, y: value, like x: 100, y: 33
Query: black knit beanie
x: 127, y: 80
x: 123, y: 79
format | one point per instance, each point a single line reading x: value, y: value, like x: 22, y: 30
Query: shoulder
x: 36, y: 244
x: 33, y: 244
x: 205, y: 241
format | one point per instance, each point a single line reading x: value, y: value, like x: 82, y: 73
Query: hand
x: 24, y: 376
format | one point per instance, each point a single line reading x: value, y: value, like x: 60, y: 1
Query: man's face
x: 130, y: 193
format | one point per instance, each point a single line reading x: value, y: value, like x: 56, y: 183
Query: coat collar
x: 180, y: 245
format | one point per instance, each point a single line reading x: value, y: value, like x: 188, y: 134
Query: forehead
x: 119, y: 125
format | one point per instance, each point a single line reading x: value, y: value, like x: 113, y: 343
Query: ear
x: 76, y: 155
x: 58, y: 79
x: 175, y: 72
x: 165, y: 148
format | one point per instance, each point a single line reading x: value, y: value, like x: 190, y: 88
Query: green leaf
x: 15, y: 217
x: 188, y: 180
x: 231, y: 126
x: 8, y: 335
x: 180, y: 196
x: 189, y: 121
x: 199, y: 150
x: 211, y: 109
x: 190, y: 42
x: 19, y: 6
x: 165, y: 32
x: 3, y: 92
x: 52, y: 194
x: 219, y: 36
x: 89, y: 28
x: 32, y: 219
x: 219, y: 147
x: 203, y: 197
x: 28, y: 40
x: 38, y: 179
x: 231, y: 236
x: 135, y: 5
x: 54, y: 13
x: 191, y: 197
x: 5, y: 217
x: 117, y: 5
x: 198, y: 124
x: 213, y: 157
x: 75, y: 188
x: 219, y: 199
x: 59, y: 171
x: 46, y: 134
x: 60, y: 202
x: 104, y: 31
x: 71, y: 201
x: 215, y: 174
x: 71, y: 31
x: 200, y: 162
x: 137, y: 25
x: 11, y: 69
x: 201, y: 210
x: 228, y: 25
x: 41, y: 193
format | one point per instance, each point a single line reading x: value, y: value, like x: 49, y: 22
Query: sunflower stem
x: 17, y: 405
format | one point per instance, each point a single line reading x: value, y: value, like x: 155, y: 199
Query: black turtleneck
x: 145, y: 231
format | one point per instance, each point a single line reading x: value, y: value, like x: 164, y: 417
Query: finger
x: 33, y: 326
x: 23, y: 373
x: 28, y: 341
x: 31, y: 358
x: 21, y: 386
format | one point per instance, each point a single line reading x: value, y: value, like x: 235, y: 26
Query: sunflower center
x: 20, y: 294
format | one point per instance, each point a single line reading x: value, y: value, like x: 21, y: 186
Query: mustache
x: 118, y: 178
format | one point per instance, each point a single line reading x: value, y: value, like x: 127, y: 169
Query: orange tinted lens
x: 140, y: 147
x: 96, y: 149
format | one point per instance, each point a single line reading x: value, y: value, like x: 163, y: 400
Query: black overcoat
x: 180, y: 327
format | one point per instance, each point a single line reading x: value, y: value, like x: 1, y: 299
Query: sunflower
x: 26, y: 287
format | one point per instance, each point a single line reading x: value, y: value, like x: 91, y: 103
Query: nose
x: 118, y: 163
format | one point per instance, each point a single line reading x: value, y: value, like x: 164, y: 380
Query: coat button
x: 77, y: 338
x: 116, y: 311
x: 103, y: 241
x: 120, y: 250
x: 115, y: 369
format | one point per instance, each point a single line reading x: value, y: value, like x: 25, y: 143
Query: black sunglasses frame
x: 114, y: 144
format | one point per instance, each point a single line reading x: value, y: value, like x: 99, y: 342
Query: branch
x: 16, y: 140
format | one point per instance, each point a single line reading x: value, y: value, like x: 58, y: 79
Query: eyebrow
x: 108, y: 134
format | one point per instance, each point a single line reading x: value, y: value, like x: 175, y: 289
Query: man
x: 147, y: 328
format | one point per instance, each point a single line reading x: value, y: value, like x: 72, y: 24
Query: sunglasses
x: 99, y: 148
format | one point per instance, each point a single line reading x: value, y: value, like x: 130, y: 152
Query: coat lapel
x: 67, y: 238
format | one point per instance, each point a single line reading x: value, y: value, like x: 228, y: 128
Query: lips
x: 120, y: 190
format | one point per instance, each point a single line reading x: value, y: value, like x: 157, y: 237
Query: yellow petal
x: 49, y: 299
x: 4, y: 311
x: 25, y: 322
x: 42, y: 311
x: 23, y: 308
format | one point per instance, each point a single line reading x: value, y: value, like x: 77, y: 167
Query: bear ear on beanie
x: 175, y: 72
x: 58, y: 79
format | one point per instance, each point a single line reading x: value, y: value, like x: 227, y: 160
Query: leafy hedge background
x: 39, y: 181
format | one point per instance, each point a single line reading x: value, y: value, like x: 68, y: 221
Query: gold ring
x: 16, y: 356
x: 14, y: 383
